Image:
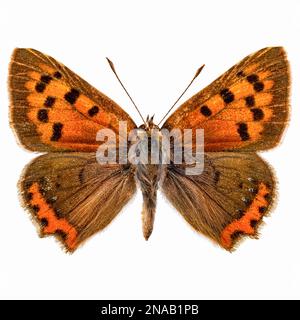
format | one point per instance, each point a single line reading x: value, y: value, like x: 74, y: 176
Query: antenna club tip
x: 199, y: 71
x: 111, y: 64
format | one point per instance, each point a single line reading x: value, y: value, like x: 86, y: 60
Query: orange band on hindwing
x: 52, y: 224
x: 246, y: 224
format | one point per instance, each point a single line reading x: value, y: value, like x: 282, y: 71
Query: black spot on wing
x: 57, y: 75
x: 227, y: 95
x: 80, y: 176
x: 252, y: 78
x: 72, y: 96
x: 93, y: 111
x: 35, y: 208
x: 217, y: 176
x: 258, y: 114
x: 205, y: 111
x: 250, y: 101
x: 40, y: 87
x: 43, y: 115
x: 44, y: 222
x: 56, y: 131
x: 253, y: 223
x: 58, y: 213
x: 258, y: 86
x: 240, y: 214
x: 268, y: 197
x: 243, y: 131
x: 262, y: 209
x: 49, y: 102
x: 46, y: 79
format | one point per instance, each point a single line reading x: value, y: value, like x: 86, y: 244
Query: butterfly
x: 72, y: 196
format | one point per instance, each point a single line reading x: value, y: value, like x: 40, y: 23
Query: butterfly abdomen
x: 148, y: 177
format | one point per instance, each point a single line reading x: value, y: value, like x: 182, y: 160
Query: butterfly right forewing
x: 247, y: 108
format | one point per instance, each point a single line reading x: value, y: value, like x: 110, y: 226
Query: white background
x: 156, y: 47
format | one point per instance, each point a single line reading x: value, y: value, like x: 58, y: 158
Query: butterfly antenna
x: 185, y: 90
x: 114, y: 71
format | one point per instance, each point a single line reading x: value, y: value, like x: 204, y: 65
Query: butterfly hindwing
x: 53, y: 109
x: 72, y: 196
x: 244, y: 109
x: 226, y: 201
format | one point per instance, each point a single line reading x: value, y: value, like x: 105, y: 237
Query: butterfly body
x: 72, y: 196
x: 149, y: 175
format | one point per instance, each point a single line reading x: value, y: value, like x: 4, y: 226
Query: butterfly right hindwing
x: 227, y: 200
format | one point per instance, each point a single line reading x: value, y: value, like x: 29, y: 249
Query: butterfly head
x: 149, y: 124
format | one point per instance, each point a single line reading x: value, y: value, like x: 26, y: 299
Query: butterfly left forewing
x: 225, y: 202
x: 53, y: 109
x: 245, y: 109
x: 72, y: 196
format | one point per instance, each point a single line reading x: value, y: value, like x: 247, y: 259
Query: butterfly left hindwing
x: 72, y: 196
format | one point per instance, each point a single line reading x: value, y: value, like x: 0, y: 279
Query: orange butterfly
x: 72, y: 196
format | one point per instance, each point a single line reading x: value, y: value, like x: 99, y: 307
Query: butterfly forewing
x: 244, y: 109
x: 53, y: 109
